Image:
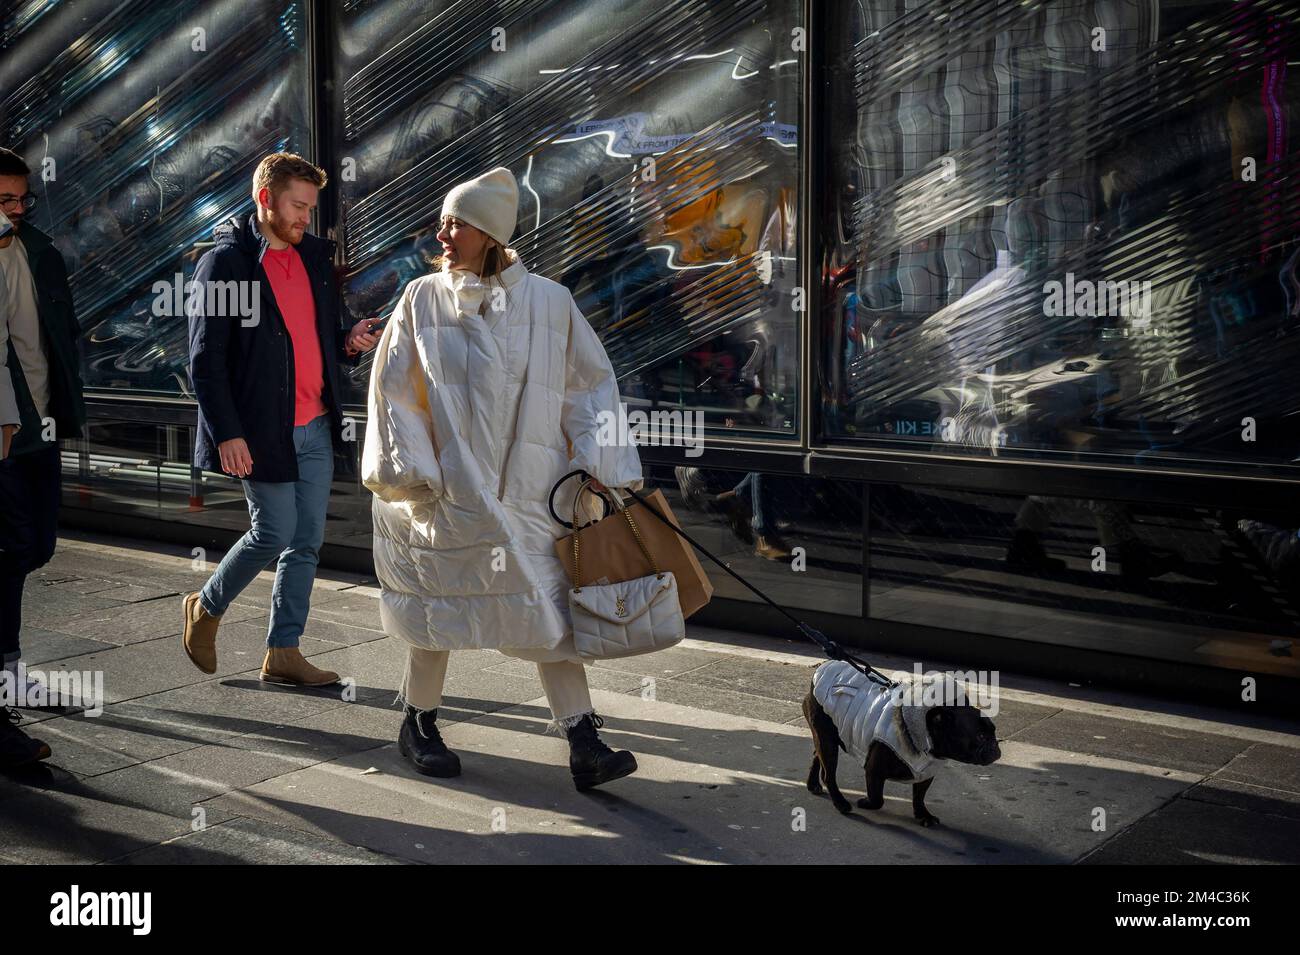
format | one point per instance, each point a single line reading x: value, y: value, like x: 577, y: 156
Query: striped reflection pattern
x: 154, y: 116
x: 656, y: 149
x: 1001, y: 147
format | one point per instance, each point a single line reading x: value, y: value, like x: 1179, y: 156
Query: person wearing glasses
x: 43, y: 363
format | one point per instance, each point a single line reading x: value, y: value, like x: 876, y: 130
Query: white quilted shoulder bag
x: 626, y: 618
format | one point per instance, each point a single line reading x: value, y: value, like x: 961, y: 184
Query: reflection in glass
x: 657, y: 153
x: 149, y: 142
x: 796, y: 538
x: 1203, y: 586
x: 1065, y: 227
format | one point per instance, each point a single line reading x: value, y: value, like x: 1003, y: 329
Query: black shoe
x: 16, y: 747
x: 590, y: 760
x: 1026, y: 553
x: 421, y: 743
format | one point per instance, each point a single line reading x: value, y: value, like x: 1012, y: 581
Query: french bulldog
x: 848, y: 710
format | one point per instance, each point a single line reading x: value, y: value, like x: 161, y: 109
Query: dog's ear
x: 914, y: 723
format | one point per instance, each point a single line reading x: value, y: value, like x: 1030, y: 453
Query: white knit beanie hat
x: 489, y: 203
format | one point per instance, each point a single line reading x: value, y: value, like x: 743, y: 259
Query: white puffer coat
x: 480, y: 400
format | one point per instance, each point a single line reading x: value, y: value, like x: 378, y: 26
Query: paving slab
x: 140, y: 669
x: 91, y: 745
x: 328, y: 629
x: 40, y: 646
x: 137, y: 622
x: 322, y: 736
x: 1262, y: 800
x: 1196, y: 832
x: 46, y: 606
x: 776, y: 681
x: 61, y: 828
x: 241, y: 703
x: 154, y: 786
x: 1015, y: 716
x: 116, y: 588
x: 720, y: 700
x: 663, y: 664
x: 1087, y: 733
x: 253, y: 842
x: 364, y: 726
x: 1264, y: 764
x: 598, y: 678
x: 1264, y: 779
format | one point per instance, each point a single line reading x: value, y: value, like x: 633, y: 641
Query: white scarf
x: 471, y: 292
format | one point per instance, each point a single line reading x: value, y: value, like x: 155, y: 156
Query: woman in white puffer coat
x: 488, y: 386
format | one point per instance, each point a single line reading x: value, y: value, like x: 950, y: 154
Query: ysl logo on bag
x: 620, y: 610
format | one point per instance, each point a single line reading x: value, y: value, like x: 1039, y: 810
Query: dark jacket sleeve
x: 209, y: 344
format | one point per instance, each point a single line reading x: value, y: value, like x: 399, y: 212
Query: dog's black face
x: 962, y: 733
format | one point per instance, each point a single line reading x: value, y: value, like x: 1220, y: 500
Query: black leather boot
x: 421, y: 743
x: 590, y: 760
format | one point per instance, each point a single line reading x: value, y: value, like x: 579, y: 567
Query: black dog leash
x: 829, y: 646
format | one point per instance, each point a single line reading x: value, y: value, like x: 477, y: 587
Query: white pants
x: 565, y: 683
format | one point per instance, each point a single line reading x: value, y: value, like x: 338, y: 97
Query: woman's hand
x: 597, y: 486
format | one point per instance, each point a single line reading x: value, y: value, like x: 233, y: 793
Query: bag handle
x: 636, y: 532
x: 550, y: 501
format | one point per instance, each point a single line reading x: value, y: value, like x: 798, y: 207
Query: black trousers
x: 30, y: 491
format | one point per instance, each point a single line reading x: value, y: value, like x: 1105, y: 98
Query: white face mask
x: 5, y: 225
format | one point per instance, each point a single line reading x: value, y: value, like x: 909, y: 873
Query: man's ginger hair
x: 278, y: 169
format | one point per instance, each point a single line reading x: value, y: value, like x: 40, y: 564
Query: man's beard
x: 282, y: 232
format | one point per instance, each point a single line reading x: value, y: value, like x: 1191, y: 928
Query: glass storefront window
x: 1188, y: 584
x: 798, y: 539
x: 1064, y: 228
x: 142, y: 132
x: 657, y: 151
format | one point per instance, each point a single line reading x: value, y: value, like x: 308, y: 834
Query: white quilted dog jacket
x: 864, y: 711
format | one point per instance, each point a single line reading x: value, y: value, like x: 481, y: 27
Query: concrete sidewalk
x: 182, y: 767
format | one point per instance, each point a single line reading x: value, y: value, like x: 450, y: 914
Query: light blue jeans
x: 289, y: 520
x: 751, y: 486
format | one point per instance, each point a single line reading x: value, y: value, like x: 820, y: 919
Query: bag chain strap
x: 636, y: 532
